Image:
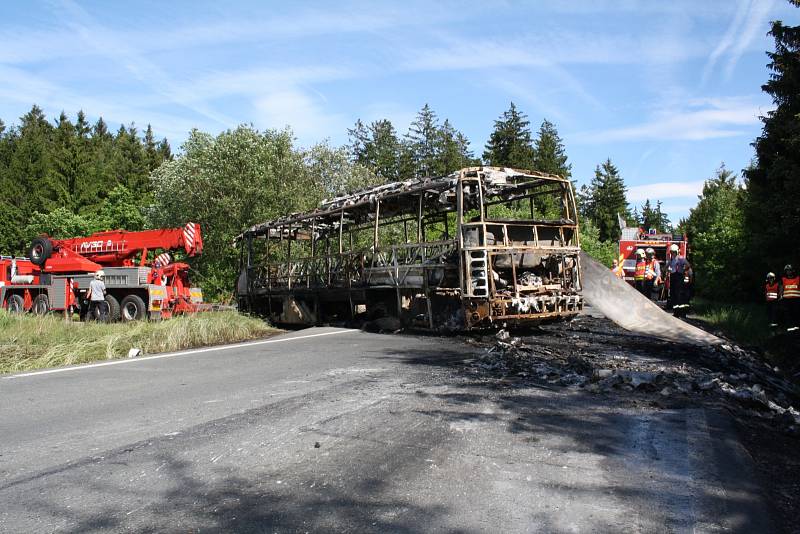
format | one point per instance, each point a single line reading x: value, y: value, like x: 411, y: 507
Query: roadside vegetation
x: 28, y: 342
x: 744, y: 323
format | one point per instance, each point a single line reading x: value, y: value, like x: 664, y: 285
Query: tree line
x: 68, y: 178
x: 71, y: 178
x: 744, y: 227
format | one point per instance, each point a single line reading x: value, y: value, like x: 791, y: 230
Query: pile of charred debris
x: 596, y: 356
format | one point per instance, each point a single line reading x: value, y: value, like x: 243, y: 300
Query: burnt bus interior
x: 480, y: 247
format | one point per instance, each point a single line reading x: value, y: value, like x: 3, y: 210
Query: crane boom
x: 117, y: 248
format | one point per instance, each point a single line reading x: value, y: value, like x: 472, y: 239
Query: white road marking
x: 174, y: 354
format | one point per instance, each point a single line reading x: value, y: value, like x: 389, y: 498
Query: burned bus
x: 482, y: 247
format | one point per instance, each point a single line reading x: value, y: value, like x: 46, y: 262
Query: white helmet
x: 674, y: 248
x: 639, y: 252
x: 650, y: 250
x: 99, y: 275
x: 770, y: 275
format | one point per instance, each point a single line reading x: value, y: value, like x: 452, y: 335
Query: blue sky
x: 666, y: 89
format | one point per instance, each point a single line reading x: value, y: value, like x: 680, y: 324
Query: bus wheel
x: 133, y: 308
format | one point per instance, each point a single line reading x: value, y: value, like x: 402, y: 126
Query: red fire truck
x: 56, y: 274
x: 636, y: 238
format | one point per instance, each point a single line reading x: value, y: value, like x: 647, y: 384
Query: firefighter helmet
x: 788, y: 267
x: 770, y: 276
x: 639, y: 252
x: 650, y: 251
x: 674, y: 248
x: 99, y: 275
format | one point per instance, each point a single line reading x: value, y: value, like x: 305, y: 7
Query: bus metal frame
x: 479, y: 271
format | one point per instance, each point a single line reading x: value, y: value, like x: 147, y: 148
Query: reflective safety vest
x: 618, y: 271
x: 650, y: 272
x: 791, y: 287
x: 641, y: 268
x: 771, y: 291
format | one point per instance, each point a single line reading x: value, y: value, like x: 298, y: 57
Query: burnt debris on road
x: 593, y: 355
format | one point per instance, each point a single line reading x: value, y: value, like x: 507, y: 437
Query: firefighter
x: 677, y: 268
x: 790, y: 295
x: 771, y: 294
x: 652, y: 274
x: 97, y: 298
x: 617, y: 269
x: 639, y: 271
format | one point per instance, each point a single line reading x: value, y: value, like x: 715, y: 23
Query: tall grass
x: 745, y: 323
x: 28, y: 342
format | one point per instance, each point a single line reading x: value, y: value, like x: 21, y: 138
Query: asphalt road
x: 329, y: 430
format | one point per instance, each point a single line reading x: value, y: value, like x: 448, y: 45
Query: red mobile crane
x: 57, y: 273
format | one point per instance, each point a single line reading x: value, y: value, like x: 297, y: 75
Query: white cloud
x: 701, y: 119
x: 32, y: 44
x: 728, y: 38
x: 25, y: 88
x: 755, y: 21
x: 662, y: 190
x: 545, y: 49
x: 252, y: 81
x: 749, y: 19
x: 307, y: 116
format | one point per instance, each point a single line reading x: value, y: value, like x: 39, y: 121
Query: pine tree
x: 376, y: 147
x: 608, y: 200
x: 453, y: 149
x: 773, y: 183
x: 549, y: 154
x: 662, y: 221
x: 82, y: 128
x: 151, y: 149
x: 67, y: 172
x: 49, y: 170
x: 10, y: 213
x: 101, y: 170
x: 359, y: 143
x: 716, y: 232
x: 647, y: 216
x: 31, y: 164
x: 384, y: 151
x: 164, y: 150
x: 130, y: 163
x: 510, y: 143
x: 421, y: 144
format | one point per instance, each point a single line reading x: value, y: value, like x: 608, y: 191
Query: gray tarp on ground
x: 631, y: 310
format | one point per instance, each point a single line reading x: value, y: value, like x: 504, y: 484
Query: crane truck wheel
x: 132, y: 308
x: 41, y: 249
x: 41, y: 304
x: 15, y: 304
x: 113, y: 308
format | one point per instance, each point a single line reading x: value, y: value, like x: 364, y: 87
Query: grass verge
x: 748, y: 325
x: 28, y: 342
x: 744, y: 323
